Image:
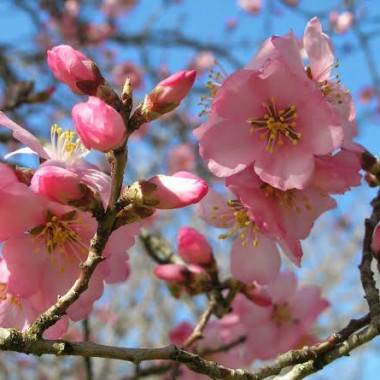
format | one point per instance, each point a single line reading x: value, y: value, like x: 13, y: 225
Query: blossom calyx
x: 73, y: 68
x: 99, y: 126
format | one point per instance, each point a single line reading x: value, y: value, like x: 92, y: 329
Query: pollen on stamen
x: 275, y: 124
x: 65, y: 146
x: 214, y: 82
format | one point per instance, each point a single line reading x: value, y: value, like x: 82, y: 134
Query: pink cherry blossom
x: 99, y: 125
x: 288, y: 215
x: 250, y: 6
x: 71, y: 66
x: 98, y: 33
x: 20, y: 313
x: 180, y: 158
x: 13, y: 194
x: 113, y: 8
x: 341, y: 22
x: 338, y: 173
x: 260, y: 117
x: 193, y: 247
x: 44, y: 244
x: 203, y: 61
x: 179, y: 190
x: 254, y: 254
x: 65, y: 151
x: 319, y: 50
x: 56, y: 183
x: 279, y: 328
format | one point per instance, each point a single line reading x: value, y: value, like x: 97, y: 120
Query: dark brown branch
x: 87, y: 360
x: 368, y: 281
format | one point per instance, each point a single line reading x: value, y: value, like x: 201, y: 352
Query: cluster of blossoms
x: 280, y: 134
x: 51, y: 213
x: 258, y: 332
x: 281, y: 137
x: 263, y: 321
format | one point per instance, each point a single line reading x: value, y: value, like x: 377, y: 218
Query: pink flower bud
x: 98, y: 125
x: 56, y: 183
x: 193, y: 247
x: 74, y: 68
x: 180, y: 333
x: 179, y: 190
x: 376, y: 239
x: 188, y: 275
x: 173, y: 273
x: 168, y: 94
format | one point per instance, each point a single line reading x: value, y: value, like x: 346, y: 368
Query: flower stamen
x: 275, y: 124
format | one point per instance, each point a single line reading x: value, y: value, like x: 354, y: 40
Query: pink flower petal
x: 22, y: 135
x: 259, y: 263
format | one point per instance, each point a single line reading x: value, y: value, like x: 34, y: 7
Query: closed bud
x: 193, y: 278
x: 56, y: 183
x: 75, y: 69
x: 179, y: 190
x: 193, y: 247
x: 172, y: 273
x: 98, y: 125
x: 168, y: 94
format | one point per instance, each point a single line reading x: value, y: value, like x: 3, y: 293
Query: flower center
x: 243, y: 224
x: 65, y: 146
x: 281, y: 314
x: 57, y: 232
x: 283, y: 197
x: 275, y: 125
x: 288, y: 198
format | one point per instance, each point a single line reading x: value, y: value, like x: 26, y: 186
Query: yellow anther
x: 281, y: 314
x: 276, y: 123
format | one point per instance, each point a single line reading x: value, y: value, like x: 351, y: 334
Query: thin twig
x: 200, y: 326
x: 87, y: 360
